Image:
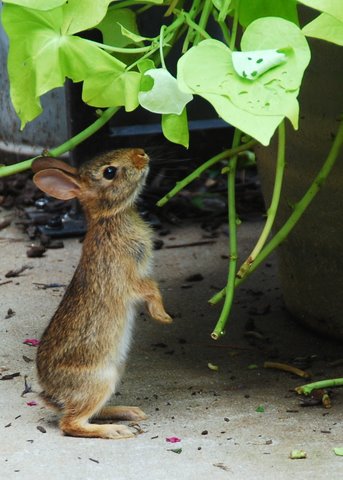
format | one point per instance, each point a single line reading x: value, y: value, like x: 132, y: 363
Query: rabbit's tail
x: 51, y: 402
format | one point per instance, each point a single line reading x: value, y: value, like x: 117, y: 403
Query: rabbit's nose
x: 139, y: 158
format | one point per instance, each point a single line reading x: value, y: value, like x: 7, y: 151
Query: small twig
x: 4, y: 283
x: 287, y: 368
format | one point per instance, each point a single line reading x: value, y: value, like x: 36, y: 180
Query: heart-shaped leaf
x: 254, y: 107
x: 41, y: 57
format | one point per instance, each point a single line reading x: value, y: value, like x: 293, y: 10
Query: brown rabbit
x: 83, y: 350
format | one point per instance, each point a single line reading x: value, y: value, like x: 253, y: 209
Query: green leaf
x: 338, y: 451
x: 276, y: 33
x: 326, y: 28
x: 112, y: 89
x: 255, y: 107
x: 145, y: 65
x: 332, y: 7
x: 41, y: 57
x: 175, y: 128
x: 115, y: 23
x: 37, y: 4
x: 258, y: 127
x: 82, y: 15
x: 252, y: 10
x: 165, y: 95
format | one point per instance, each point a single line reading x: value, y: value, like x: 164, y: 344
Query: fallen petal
x: 33, y: 342
x: 173, y: 439
x: 32, y: 403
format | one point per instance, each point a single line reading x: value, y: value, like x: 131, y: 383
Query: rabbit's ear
x: 43, y: 163
x: 58, y: 184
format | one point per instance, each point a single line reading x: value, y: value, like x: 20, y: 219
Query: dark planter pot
x: 311, y: 258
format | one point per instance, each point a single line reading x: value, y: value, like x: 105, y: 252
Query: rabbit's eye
x: 109, y: 173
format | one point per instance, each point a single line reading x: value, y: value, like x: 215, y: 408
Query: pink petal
x: 33, y: 342
x: 32, y: 403
x: 173, y: 439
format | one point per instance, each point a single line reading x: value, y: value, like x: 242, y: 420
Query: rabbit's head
x: 104, y: 185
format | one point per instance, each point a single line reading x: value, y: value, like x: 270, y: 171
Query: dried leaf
x: 18, y: 271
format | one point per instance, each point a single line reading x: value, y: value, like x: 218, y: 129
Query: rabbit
x: 82, y: 353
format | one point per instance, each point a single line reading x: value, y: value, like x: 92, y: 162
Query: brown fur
x: 82, y: 352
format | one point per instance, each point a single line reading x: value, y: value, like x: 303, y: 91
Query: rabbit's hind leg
x: 133, y: 414
x: 75, y: 423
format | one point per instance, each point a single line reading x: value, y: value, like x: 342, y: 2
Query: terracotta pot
x: 311, y: 259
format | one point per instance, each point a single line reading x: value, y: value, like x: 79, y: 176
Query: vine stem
x: 224, y: 10
x: 322, y: 384
x: 65, y: 147
x: 201, y: 32
x: 298, y: 211
x: 196, y: 7
x: 223, y: 27
x: 234, y: 26
x: 205, y: 14
x: 196, y: 173
x: 161, y: 46
x: 272, y: 210
x: 230, y: 287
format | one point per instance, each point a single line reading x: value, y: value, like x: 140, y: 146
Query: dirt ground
x: 233, y: 417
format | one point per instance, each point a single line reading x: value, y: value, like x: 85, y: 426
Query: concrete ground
x: 214, y: 413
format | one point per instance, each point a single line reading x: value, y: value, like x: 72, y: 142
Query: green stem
x: 298, y: 211
x: 224, y: 10
x: 109, y: 48
x: 219, y: 329
x: 322, y: 384
x: 172, y: 6
x: 196, y: 7
x: 223, y: 27
x: 161, y: 46
x: 271, y: 213
x: 196, y: 173
x: 201, y: 32
x: 65, y: 147
x: 205, y: 14
x: 234, y: 26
